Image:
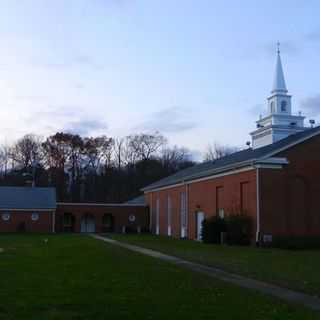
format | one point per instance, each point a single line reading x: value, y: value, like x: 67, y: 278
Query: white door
x: 200, y: 218
x: 88, y: 224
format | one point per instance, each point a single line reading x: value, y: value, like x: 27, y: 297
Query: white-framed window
x: 158, y: 217
x: 183, y: 215
x: 5, y: 216
x: 221, y: 213
x: 35, y: 216
x: 283, y: 106
x: 169, y: 218
x: 272, y: 108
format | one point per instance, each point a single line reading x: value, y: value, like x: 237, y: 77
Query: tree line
x: 91, y: 169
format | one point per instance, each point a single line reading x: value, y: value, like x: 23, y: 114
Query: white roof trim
x: 272, y: 163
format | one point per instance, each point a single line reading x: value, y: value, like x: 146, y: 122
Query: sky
x: 198, y: 71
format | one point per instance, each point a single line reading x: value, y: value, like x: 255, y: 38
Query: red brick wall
x: 43, y: 224
x: 289, y: 197
x: 120, y: 215
x: 202, y: 197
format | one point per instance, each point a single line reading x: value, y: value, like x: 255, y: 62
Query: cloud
x: 313, y: 36
x: 73, y: 119
x: 311, y: 105
x: 169, y: 120
x: 85, y: 127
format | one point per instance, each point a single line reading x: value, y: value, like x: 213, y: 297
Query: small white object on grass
x: 45, y: 241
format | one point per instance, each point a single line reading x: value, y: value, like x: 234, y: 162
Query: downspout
x: 258, y: 206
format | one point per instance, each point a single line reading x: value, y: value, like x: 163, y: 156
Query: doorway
x: 200, y: 218
x: 88, y: 224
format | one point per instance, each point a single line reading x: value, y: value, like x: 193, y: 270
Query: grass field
x: 77, y: 277
x: 298, y: 270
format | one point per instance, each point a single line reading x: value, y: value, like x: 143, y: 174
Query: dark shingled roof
x: 222, y: 164
x: 27, y: 198
x: 137, y: 201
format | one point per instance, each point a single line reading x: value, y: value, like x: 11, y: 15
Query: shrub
x: 239, y: 229
x: 212, y: 228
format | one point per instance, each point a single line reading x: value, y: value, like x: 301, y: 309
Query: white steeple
x: 279, y: 122
x: 279, y: 84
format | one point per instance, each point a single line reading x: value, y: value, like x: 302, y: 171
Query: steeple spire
x: 279, y: 84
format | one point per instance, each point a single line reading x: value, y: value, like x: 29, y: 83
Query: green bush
x: 212, y: 228
x: 239, y: 229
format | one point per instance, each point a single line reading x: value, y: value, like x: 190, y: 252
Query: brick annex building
x: 276, y: 181
x: 27, y: 209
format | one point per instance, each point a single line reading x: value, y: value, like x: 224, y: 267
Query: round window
x: 132, y: 218
x: 5, y: 216
x: 35, y: 216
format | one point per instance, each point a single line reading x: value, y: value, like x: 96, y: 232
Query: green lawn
x: 299, y: 270
x: 77, y: 277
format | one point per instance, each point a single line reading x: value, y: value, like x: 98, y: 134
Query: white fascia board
x: 272, y: 163
x: 273, y: 160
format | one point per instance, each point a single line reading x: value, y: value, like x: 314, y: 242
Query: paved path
x: 263, y: 287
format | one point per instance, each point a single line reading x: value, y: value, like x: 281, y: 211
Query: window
x: 158, y: 216
x: 67, y: 219
x: 283, y: 106
x: 244, y: 197
x: 35, y: 216
x: 5, y: 216
x: 132, y: 218
x: 169, y: 215
x: 183, y: 214
x: 272, y: 107
x: 220, y: 202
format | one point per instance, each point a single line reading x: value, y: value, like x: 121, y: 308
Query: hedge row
x: 235, y: 229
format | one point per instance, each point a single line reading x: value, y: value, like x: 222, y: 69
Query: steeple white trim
x: 280, y: 122
x: 279, y: 84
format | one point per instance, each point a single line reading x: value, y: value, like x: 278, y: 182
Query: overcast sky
x: 198, y: 71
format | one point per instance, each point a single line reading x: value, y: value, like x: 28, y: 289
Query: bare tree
x: 217, y: 151
x: 146, y: 145
x: 5, y: 152
x: 27, y: 151
x: 97, y: 151
x: 173, y: 158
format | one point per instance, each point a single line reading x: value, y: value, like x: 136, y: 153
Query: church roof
x: 279, y: 84
x: 137, y: 201
x: 236, y: 160
x: 27, y: 198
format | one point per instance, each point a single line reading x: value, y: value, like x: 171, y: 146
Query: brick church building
x: 276, y: 181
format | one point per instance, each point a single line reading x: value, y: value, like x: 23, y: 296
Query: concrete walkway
x: 263, y: 287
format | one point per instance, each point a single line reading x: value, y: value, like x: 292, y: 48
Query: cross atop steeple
x: 278, y: 47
